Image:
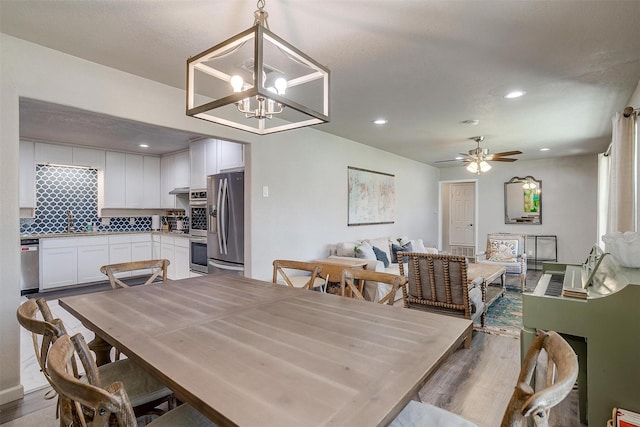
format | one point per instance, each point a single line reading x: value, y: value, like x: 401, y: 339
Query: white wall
x: 307, y: 205
x: 306, y: 171
x: 568, y: 201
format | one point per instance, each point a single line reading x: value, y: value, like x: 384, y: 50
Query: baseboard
x: 10, y: 394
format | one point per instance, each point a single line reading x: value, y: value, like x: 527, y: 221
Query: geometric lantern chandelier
x: 257, y: 82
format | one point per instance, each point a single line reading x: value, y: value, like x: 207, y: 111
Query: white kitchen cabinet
x: 141, y: 250
x: 181, y: 254
x: 151, y: 182
x: 181, y: 174
x: 155, y: 240
x: 53, y: 153
x: 58, y: 264
x: 230, y: 155
x: 114, y: 180
x: 167, y: 201
x: 174, y: 173
x: 89, y: 157
x: 59, y: 267
x: 91, y: 256
x: 27, y: 177
x: 167, y: 251
x: 120, y: 251
x: 133, y: 181
x: 197, y: 160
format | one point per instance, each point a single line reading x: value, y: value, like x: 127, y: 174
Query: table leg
x: 102, y: 350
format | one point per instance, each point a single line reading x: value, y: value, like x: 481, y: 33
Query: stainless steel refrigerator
x: 225, y: 235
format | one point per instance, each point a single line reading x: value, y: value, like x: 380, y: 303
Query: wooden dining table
x: 250, y: 353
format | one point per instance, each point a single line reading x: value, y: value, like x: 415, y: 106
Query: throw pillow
x: 503, y: 250
x: 365, y: 251
x: 381, y: 256
x: 418, y: 246
x: 404, y: 248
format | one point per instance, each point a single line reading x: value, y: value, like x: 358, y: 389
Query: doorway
x: 458, y: 217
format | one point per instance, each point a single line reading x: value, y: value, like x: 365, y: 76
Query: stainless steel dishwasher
x: 29, y: 265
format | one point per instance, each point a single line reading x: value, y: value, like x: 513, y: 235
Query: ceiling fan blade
x: 503, y: 159
x: 451, y: 160
x: 506, y: 153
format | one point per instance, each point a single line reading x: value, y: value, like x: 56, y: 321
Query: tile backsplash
x: 60, y: 189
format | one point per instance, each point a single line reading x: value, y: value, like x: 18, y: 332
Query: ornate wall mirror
x: 523, y: 201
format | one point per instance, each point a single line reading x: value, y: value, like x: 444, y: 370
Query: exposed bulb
x: 237, y: 83
x: 281, y: 85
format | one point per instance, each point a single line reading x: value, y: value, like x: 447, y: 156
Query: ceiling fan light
x: 472, y: 167
x: 484, y: 166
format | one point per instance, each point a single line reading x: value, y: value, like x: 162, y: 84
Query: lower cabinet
x: 176, y: 250
x: 68, y: 261
x: 58, y: 267
x: 90, y: 259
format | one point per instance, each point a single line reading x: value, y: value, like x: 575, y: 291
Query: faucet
x: 69, y: 222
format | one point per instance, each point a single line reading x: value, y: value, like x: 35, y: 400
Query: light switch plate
x: 265, y: 191
x: 132, y: 221
x: 106, y: 221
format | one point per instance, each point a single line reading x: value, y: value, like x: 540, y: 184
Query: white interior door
x: 462, y: 214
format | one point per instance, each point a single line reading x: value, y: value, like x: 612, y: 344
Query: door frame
x: 440, y: 205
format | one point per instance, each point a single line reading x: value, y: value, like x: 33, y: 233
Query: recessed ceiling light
x: 380, y: 121
x: 545, y: 149
x: 515, y: 94
x: 143, y: 145
x: 459, y: 158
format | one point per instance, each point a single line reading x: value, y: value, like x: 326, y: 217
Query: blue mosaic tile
x: 60, y: 189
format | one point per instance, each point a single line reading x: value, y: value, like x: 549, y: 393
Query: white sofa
x: 384, y: 247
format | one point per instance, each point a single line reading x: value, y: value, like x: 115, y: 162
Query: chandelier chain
x: 260, y: 4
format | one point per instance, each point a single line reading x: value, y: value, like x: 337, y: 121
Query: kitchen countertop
x: 101, y: 233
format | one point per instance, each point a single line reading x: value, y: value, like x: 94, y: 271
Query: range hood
x: 180, y: 190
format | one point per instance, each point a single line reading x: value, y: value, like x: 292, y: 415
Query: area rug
x: 504, y: 316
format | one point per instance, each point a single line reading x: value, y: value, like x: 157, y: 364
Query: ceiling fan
x: 476, y: 160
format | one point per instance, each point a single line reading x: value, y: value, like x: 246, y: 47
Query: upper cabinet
x: 174, y: 173
x: 131, y: 181
x: 210, y: 156
x: 27, y: 178
x: 151, y: 182
x: 89, y: 157
x: 114, y: 180
x: 230, y: 155
x: 53, y: 153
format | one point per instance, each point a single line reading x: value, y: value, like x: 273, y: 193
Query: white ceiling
x: 426, y: 66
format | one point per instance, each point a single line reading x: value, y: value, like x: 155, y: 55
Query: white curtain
x: 621, y: 215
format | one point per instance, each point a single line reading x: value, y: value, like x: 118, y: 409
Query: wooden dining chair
x: 438, y: 283
x: 156, y: 267
x: 289, y: 272
x: 98, y: 406
x: 145, y: 391
x: 353, y: 282
x: 547, y: 376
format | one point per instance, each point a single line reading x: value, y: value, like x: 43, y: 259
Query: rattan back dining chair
x: 146, y: 392
x: 98, y: 406
x: 154, y: 268
x: 353, y: 282
x: 298, y: 274
x: 547, y: 376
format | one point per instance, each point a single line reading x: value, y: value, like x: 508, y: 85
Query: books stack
x: 575, y: 293
x: 624, y: 418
